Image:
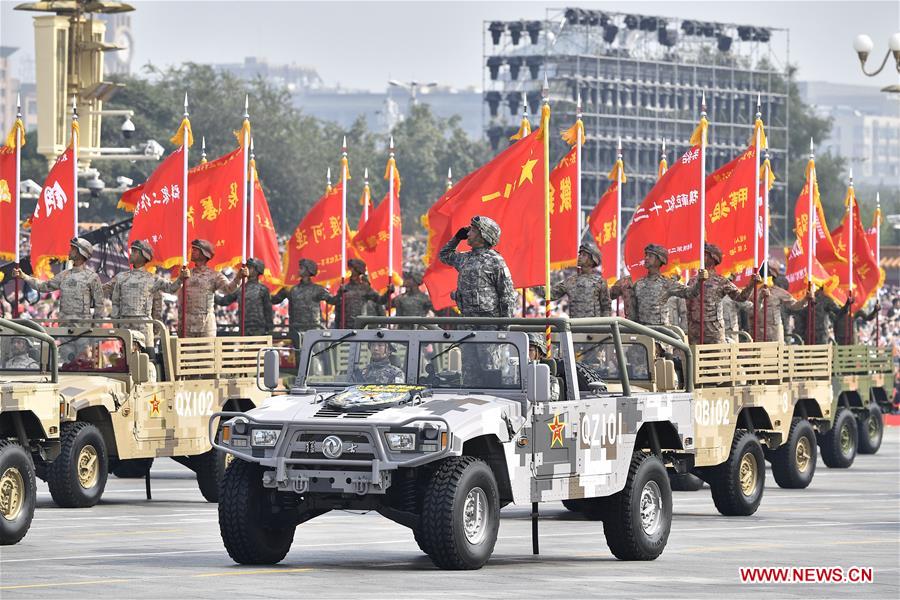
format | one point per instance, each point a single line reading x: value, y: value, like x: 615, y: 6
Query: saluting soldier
x: 304, y: 301
x: 715, y: 288
x: 258, y: 315
x: 79, y: 287
x: 412, y: 302
x: 587, y: 290
x: 132, y: 292
x: 201, y: 285
x: 652, y: 292
x: 351, y: 298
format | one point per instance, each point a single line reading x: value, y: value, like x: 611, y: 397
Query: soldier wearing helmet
x: 652, y: 291
x: 258, y: 315
x: 379, y: 370
x: 131, y: 292
x: 304, y: 301
x: 19, y: 356
x: 350, y: 300
x: 200, y: 287
x: 79, y: 287
x: 587, y: 290
x: 412, y: 302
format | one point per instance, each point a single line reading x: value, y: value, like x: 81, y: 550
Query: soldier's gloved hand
x: 390, y: 288
x: 704, y: 274
x: 757, y: 278
x: 764, y: 293
x: 462, y: 234
x: 244, y: 273
x: 185, y: 273
x: 17, y: 273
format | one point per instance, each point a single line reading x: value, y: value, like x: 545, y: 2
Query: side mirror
x: 142, y: 368
x: 538, y: 383
x: 271, y: 369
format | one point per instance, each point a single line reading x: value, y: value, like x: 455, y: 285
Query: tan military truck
x: 859, y: 376
x: 752, y: 402
x: 118, y: 406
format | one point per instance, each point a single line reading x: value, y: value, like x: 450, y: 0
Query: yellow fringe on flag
x: 76, y: 131
x: 762, y: 173
x: 345, y: 164
x: 126, y: 206
x: 524, y: 130
x: 12, y: 138
x: 849, y: 197
x: 618, y: 168
x: 663, y: 167
x: 366, y: 197
x: 876, y: 221
x: 328, y: 189
x: 184, y: 130
x: 545, y: 120
x: 570, y: 135
x: 240, y: 134
x: 387, y: 174
x: 810, y: 166
x: 758, y: 125
x: 700, y: 135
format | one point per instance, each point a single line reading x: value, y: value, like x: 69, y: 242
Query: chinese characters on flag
x: 371, y: 244
x: 564, y: 212
x: 9, y: 198
x: 867, y: 275
x: 604, y: 228
x: 265, y: 242
x: 53, y: 224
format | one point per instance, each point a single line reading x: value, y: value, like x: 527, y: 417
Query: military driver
x: 19, y: 354
x: 379, y: 370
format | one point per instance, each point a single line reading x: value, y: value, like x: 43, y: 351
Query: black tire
x: 629, y: 535
x: 18, y: 492
x: 684, y: 482
x: 737, y: 484
x: 794, y: 462
x: 77, y: 477
x: 871, y: 430
x: 134, y: 468
x: 457, y: 484
x: 210, y: 469
x: 243, y: 507
x: 839, y: 443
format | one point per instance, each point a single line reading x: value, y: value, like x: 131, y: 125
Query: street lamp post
x: 863, y: 46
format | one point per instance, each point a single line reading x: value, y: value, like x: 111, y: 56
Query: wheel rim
x: 88, y: 467
x: 872, y: 428
x: 651, y: 508
x: 12, y: 493
x: 846, y: 442
x: 803, y: 454
x: 748, y: 476
x: 475, y: 515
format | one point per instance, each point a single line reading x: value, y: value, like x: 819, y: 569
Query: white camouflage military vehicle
x: 437, y: 430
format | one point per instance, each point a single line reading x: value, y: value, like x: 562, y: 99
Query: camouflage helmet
x: 138, y: 338
x: 416, y: 278
x: 591, y: 251
x: 28, y: 341
x: 658, y: 251
x: 257, y: 265
x: 357, y: 264
x: 309, y: 266
x: 488, y: 229
x: 714, y: 252
x: 83, y: 247
x: 538, y: 340
x: 204, y: 247
x: 143, y: 247
x: 774, y: 267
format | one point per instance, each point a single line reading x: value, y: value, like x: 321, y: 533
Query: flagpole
x: 756, y: 157
x: 849, y: 316
x: 877, y: 264
x: 545, y: 126
x: 184, y: 215
x: 343, y: 227
x: 390, y: 223
x: 449, y: 178
x: 252, y: 193
x: 811, y: 246
x: 620, y: 166
x: 246, y: 160
x: 766, y: 240
x: 75, y: 162
x: 579, y: 127
x: 366, y: 194
x: 18, y: 206
x: 702, y: 207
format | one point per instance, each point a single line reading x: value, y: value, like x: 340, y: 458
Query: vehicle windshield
x: 356, y: 362
x: 89, y: 354
x: 461, y: 364
x: 20, y: 353
x: 601, y: 356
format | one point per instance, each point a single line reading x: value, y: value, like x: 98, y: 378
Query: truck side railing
x: 225, y: 356
x: 760, y: 363
x: 862, y: 360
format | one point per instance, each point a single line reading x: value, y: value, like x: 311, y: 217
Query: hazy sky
x: 362, y: 44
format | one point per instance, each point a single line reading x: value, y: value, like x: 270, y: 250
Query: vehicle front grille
x: 327, y: 412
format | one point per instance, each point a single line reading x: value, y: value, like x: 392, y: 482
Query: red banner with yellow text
x: 9, y: 199
x: 564, y: 212
x: 867, y: 275
x: 603, y: 225
x: 371, y: 244
x: 53, y: 223
x: 265, y: 242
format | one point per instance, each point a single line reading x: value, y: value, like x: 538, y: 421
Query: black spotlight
x: 667, y: 37
x: 707, y: 30
x: 592, y: 17
x: 494, y: 63
x: 724, y: 43
x: 745, y: 33
x: 631, y: 22
x: 762, y: 35
x: 494, y: 134
x: 689, y: 27
x: 493, y: 102
x: 572, y: 16
x: 515, y: 31
x: 514, y: 100
x: 609, y: 33
x: 515, y: 63
x: 534, y: 65
x: 534, y: 102
x: 648, y: 24
x: 496, y: 28
x: 534, y: 30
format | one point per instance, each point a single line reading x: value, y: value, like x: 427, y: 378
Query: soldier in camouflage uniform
x: 258, y: 316
x: 412, y: 302
x: 375, y: 308
x: 769, y: 313
x: 132, y: 291
x: 826, y: 313
x: 587, y: 291
x: 351, y: 298
x: 379, y: 370
x: 715, y: 288
x: 304, y: 301
x: 677, y: 307
x: 624, y: 288
x: 652, y: 291
x: 79, y: 287
x: 19, y: 354
x: 840, y: 325
x: 200, y: 289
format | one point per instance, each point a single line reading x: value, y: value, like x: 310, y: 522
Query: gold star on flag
x: 527, y: 171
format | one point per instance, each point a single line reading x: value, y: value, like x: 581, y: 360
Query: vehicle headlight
x: 399, y: 442
x: 265, y: 437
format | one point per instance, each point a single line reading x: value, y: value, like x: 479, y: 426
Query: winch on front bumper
x: 331, y: 455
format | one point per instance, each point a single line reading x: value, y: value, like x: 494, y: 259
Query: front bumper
x: 297, y: 464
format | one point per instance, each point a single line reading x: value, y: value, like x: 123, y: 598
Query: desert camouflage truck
x: 859, y: 376
x: 437, y: 430
x: 753, y: 402
x: 29, y: 420
x: 118, y: 407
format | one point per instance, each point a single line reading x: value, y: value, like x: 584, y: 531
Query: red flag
x: 215, y: 205
x: 371, y: 244
x: 318, y: 238
x: 157, y: 206
x: 508, y: 190
x: 9, y: 199
x: 867, y: 275
x: 670, y: 216
x: 564, y: 212
x: 604, y: 228
x: 265, y: 242
x: 53, y: 224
